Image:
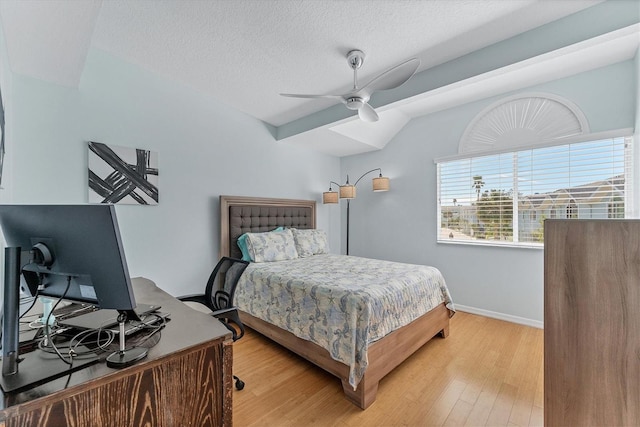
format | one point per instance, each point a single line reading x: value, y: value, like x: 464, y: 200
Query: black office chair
x: 218, y: 297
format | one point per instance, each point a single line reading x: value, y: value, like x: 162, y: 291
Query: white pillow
x: 272, y: 246
x: 310, y: 242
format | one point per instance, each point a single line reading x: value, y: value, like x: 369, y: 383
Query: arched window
x: 523, y: 120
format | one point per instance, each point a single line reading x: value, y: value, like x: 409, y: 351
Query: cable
x: 148, y: 337
x: 33, y: 302
x: 48, y: 335
x: 84, y: 336
x: 68, y: 378
x: 155, y: 329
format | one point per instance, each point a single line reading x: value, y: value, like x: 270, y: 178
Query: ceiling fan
x: 358, y: 97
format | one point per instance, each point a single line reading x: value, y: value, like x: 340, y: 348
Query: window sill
x: 492, y: 243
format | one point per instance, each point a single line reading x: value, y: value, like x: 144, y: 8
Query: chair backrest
x: 221, y: 286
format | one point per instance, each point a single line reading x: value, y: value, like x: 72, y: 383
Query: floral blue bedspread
x: 341, y: 303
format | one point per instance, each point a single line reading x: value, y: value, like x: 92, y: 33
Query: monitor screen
x: 85, y: 246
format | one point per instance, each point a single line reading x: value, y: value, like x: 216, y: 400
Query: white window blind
x: 505, y: 198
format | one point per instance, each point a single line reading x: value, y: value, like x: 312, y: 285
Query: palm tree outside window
x: 478, y: 183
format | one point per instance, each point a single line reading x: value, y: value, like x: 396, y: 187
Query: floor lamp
x: 348, y: 192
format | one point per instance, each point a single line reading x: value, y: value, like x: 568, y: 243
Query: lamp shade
x: 347, y: 191
x: 381, y: 183
x: 329, y: 197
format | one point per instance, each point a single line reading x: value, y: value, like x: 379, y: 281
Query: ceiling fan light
x: 354, y: 103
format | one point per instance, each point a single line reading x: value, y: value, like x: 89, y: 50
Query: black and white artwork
x: 122, y: 175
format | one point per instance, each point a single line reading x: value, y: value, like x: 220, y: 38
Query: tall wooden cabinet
x: 592, y: 323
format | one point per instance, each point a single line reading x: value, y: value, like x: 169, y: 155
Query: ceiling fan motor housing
x: 354, y: 103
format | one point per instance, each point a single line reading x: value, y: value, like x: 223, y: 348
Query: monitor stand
x: 39, y: 367
x: 125, y: 357
x: 20, y: 372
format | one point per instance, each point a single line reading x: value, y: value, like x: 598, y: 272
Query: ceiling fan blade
x: 367, y: 113
x: 393, y: 77
x: 297, y: 95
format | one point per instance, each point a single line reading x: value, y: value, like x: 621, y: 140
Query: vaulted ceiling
x: 245, y: 53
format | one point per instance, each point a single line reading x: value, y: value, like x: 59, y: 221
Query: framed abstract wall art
x: 122, y: 175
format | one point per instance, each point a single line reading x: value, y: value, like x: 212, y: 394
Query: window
x: 504, y: 198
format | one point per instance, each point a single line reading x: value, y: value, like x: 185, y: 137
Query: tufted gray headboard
x: 240, y: 215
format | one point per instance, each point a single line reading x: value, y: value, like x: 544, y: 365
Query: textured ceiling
x: 245, y: 52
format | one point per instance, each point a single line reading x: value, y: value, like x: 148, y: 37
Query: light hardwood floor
x: 486, y: 373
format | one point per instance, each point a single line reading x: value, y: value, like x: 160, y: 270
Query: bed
x: 366, y: 354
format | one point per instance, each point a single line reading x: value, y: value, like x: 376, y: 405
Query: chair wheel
x: 239, y: 384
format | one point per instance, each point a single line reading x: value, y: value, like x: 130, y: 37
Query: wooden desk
x: 186, y: 380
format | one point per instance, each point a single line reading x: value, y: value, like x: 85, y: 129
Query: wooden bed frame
x: 383, y: 355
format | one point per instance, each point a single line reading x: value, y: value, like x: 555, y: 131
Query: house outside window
x: 504, y: 198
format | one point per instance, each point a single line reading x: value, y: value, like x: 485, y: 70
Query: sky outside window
x: 539, y: 171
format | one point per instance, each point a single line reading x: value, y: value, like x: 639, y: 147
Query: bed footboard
x: 384, y: 355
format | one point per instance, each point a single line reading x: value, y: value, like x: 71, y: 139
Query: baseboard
x: 501, y: 316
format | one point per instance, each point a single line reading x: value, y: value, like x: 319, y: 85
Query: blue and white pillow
x: 242, y: 244
x: 272, y: 246
x: 310, y: 242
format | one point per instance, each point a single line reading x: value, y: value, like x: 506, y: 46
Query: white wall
x: 401, y: 225
x: 5, y: 88
x: 205, y: 149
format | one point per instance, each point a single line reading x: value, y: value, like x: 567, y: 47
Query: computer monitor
x: 73, y: 252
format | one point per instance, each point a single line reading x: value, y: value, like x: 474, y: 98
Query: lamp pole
x: 348, y: 191
x: 349, y: 200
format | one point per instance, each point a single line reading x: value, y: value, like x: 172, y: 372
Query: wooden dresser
x: 185, y: 381
x: 592, y: 323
